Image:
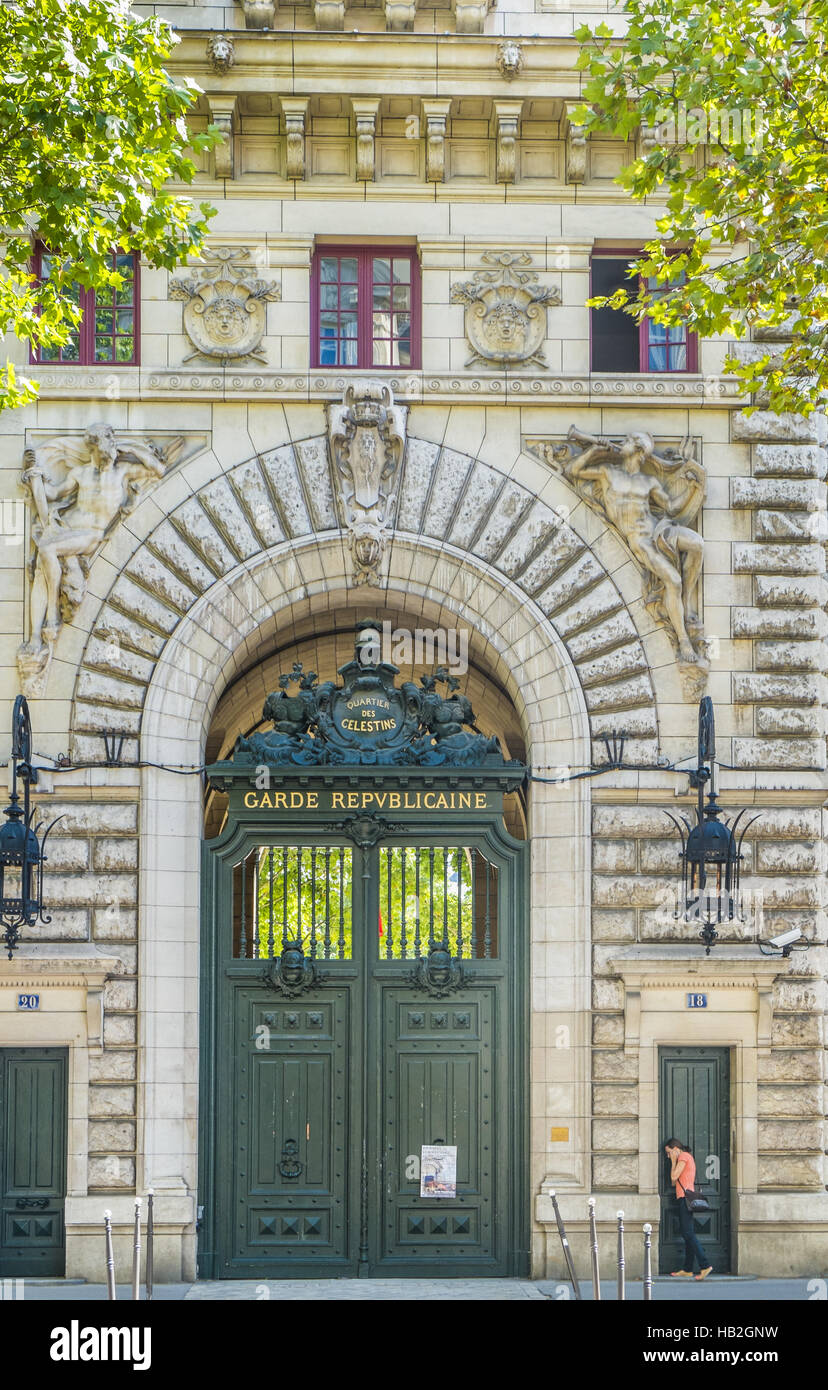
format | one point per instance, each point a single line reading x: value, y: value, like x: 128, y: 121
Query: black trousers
x: 692, y: 1247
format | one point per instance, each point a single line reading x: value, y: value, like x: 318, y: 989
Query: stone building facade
x: 446, y: 135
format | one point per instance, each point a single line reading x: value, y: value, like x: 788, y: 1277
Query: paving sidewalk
x: 665, y: 1290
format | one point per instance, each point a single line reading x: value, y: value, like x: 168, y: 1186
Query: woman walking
x: 683, y: 1174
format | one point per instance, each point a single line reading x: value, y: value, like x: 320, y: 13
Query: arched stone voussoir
x: 264, y: 535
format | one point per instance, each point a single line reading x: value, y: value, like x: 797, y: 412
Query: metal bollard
x: 150, y: 1236
x: 576, y: 1288
x: 593, y: 1235
x: 648, y: 1264
x: 136, y: 1253
x: 110, y: 1258
x: 622, y: 1288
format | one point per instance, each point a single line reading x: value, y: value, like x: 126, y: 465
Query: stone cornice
x: 267, y: 383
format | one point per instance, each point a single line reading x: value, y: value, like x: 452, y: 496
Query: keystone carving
x: 367, y: 438
x: 649, y: 499
x: 80, y: 488
x: 221, y: 53
x: 224, y: 306
x: 505, y: 310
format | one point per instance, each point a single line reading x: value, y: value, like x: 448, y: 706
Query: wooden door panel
x: 694, y: 1107
x: 33, y: 1099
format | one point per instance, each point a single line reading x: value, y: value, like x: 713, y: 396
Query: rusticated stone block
x: 658, y: 856
x: 803, y: 921
x: 789, y: 460
x: 111, y: 1172
x: 87, y: 817
x: 621, y: 891
x: 779, y: 753
x: 790, y: 1100
x: 791, y: 1171
x: 787, y: 823
x: 616, y: 628
x: 115, y: 856
x: 119, y: 1028
x: 628, y: 821
x: 111, y: 1101
x: 111, y: 1136
x: 799, y: 1135
x: 613, y: 856
x: 790, y: 656
x: 607, y: 994
x: 800, y: 996
x: 115, y: 923
x: 791, y: 857
x: 63, y: 855
x: 121, y: 994
x: 791, y: 1066
x: 778, y: 559
x: 113, y: 1066
x: 801, y: 496
x: 608, y: 925
x: 664, y: 926
x: 615, y: 1100
x: 614, y: 1066
x: 608, y: 1030
x: 797, y: 1030
x: 615, y: 1136
x: 127, y: 963
x: 615, y: 1174
x: 90, y: 888
x: 786, y: 526
x: 800, y: 591
x: 802, y: 723
x: 67, y: 924
x: 750, y: 688
x: 780, y: 623
x: 623, y: 661
x: 766, y: 425
x: 792, y: 892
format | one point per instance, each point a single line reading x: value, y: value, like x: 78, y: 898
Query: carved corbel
x: 367, y: 441
x: 399, y: 16
x: 365, y: 115
x: 223, y: 115
x: 259, y: 14
x: 469, y: 15
x: 507, y: 117
x: 647, y: 138
x: 435, y: 115
x: 329, y: 14
x: 576, y: 146
x: 294, y: 110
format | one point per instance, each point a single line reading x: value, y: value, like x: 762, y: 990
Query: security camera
x: 784, y: 943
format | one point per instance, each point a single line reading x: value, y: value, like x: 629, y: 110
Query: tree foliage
x: 735, y: 96
x: 93, y: 127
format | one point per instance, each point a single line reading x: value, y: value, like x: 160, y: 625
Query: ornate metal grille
x: 436, y: 895
x: 284, y: 894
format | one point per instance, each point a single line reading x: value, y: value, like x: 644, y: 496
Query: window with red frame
x: 108, y: 330
x: 365, y: 307
x: 619, y: 344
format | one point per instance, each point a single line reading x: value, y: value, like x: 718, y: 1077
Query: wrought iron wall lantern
x: 711, y: 853
x: 21, y: 852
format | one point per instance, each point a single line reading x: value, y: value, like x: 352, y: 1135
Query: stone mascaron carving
x: 224, y: 306
x: 367, y: 437
x: 369, y: 720
x: 506, y: 310
x: 80, y: 487
x: 509, y: 59
x: 221, y: 52
x: 649, y: 499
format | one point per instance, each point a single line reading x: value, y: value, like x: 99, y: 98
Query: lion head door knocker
x: 291, y: 973
x: 439, y: 974
x: 290, y: 1165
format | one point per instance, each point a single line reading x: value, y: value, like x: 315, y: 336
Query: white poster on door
x: 438, y: 1170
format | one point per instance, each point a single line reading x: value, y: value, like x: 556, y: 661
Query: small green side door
x: 33, y: 1099
x: 694, y: 1106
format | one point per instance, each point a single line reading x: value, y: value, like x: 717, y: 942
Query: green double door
x: 398, y: 1028
x: 694, y: 1107
x: 33, y: 1097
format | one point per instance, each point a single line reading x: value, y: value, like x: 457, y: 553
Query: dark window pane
x: 125, y: 349
x: 348, y: 326
x: 328, y: 352
x: 402, y: 271
x: 382, y: 356
x: 349, y: 354
x: 382, y: 296
x: 103, y: 350
x: 328, y: 323
x: 328, y: 297
x: 71, y: 352
x: 382, y: 325
x: 614, y: 333
x: 124, y: 264
x: 327, y: 268
x: 124, y: 320
x: 382, y: 269
x: 658, y: 332
x: 348, y: 268
x: 125, y: 293
x: 402, y: 297
x: 678, y: 358
x: 348, y: 296
x: 402, y: 353
x: 402, y: 326
x: 657, y: 359
x: 103, y: 320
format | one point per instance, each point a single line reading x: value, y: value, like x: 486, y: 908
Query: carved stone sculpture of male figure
x: 79, y: 487
x: 625, y: 485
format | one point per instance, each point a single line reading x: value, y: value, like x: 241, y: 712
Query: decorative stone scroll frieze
x: 259, y: 14
x: 365, y: 119
x: 367, y: 440
x: 294, y: 110
x: 649, y: 499
x: 224, y: 306
x: 505, y: 310
x: 576, y: 147
x: 507, y: 120
x: 221, y: 53
x: 80, y: 488
x: 435, y: 114
x: 223, y: 115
